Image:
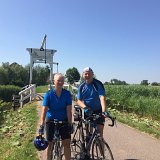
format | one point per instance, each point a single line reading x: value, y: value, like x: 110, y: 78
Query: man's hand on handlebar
x: 87, y: 111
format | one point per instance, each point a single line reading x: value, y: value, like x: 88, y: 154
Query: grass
x: 41, y: 89
x: 17, y: 133
x: 18, y: 128
x: 143, y: 124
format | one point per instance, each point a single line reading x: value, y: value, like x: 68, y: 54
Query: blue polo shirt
x: 57, y: 106
x: 90, y: 94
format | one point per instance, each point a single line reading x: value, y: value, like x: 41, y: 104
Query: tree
x: 3, y: 77
x: 155, y: 84
x: 106, y: 83
x: 15, y: 74
x: 40, y: 75
x: 144, y: 82
x: 4, y: 73
x: 72, y: 75
x: 117, y: 82
x: 18, y: 75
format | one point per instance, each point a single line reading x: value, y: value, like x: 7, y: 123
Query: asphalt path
x: 126, y: 143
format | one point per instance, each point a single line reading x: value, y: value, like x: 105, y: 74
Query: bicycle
x: 57, y: 152
x: 96, y: 147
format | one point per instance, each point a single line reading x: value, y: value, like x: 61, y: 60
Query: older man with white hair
x: 91, y: 96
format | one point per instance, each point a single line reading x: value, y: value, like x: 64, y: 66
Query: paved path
x: 130, y: 144
x: 127, y: 143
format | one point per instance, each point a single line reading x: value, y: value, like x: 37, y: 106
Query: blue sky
x: 116, y: 38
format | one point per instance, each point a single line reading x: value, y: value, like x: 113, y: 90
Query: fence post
x: 21, y: 102
x: 30, y: 92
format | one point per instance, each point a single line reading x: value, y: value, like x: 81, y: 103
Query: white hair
x: 58, y: 75
x: 87, y: 69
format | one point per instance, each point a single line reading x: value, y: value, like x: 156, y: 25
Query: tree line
x: 15, y: 74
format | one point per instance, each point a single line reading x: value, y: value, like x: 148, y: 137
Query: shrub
x: 6, y: 92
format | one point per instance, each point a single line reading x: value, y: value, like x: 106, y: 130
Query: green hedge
x: 6, y: 92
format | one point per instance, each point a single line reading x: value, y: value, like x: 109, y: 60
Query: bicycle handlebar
x: 113, y: 119
x: 96, y: 116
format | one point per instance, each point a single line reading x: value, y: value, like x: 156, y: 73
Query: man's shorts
x: 100, y: 120
x: 64, y: 131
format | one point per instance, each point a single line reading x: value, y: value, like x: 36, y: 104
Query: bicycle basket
x: 77, y: 113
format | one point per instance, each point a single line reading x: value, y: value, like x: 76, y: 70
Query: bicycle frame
x: 57, y: 139
x: 85, y: 148
x: 94, y: 134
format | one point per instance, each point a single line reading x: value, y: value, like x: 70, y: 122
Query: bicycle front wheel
x: 75, y: 151
x: 101, y: 150
x: 56, y: 151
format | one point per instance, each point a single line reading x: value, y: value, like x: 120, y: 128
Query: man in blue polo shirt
x: 57, y: 104
x: 91, y: 96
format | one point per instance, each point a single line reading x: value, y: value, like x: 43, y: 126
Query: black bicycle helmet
x: 40, y: 143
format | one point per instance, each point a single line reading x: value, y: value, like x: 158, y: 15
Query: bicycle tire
x: 77, y: 134
x: 56, y: 151
x: 101, y: 150
x: 75, y: 151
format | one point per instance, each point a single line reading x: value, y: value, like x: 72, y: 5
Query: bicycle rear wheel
x: 101, y: 150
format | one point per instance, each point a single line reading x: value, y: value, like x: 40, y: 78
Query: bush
x: 6, y: 92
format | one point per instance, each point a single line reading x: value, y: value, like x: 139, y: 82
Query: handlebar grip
x: 113, y: 119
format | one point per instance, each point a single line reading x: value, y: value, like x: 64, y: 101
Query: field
x: 141, y: 100
x: 136, y: 105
